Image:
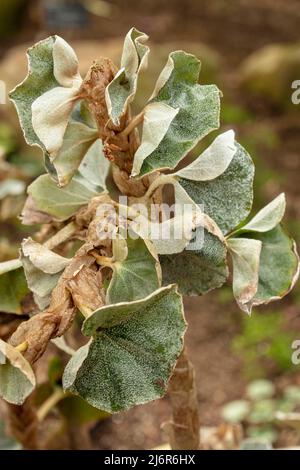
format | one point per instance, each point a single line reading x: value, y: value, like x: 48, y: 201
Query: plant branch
x: 184, y: 428
x: 160, y: 181
x: 135, y: 121
x: 63, y: 235
x: 48, y: 404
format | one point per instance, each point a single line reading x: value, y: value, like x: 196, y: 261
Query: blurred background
x: 251, y: 50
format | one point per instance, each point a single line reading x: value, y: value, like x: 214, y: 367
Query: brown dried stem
x: 184, y: 428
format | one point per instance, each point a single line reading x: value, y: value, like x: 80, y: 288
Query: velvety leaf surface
x: 39, y: 80
x: 136, y: 276
x: 197, y: 271
x: 121, y: 90
x: 173, y: 233
x: 157, y: 120
x: 94, y: 166
x: 13, y: 289
x: 245, y: 255
x: 129, y: 361
x: 279, y: 265
x: 228, y: 198
x: 213, y: 161
x: 268, y: 217
x: 17, y: 379
x: 199, y: 108
x: 61, y: 203
x: 78, y: 139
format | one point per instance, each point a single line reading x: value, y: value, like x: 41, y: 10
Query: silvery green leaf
x: 279, y: 265
x: 45, y: 99
x: 228, y: 198
x: 17, y: 379
x: 61, y: 203
x: 245, y: 255
x: 213, y: 161
x: 130, y: 359
x: 157, y: 120
x: 39, y: 80
x: 42, y: 268
x: 94, y: 166
x: 121, y: 90
x: 77, y: 141
x: 136, y: 270
x: 51, y: 111
x: 11, y: 187
x: 50, y: 116
x: 199, y: 109
x: 267, y: 218
x: 13, y: 287
x: 172, y: 234
x: 197, y: 270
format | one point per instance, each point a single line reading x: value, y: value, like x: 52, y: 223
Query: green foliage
x: 140, y: 340
x: 199, y: 110
x: 264, y: 341
x: 85, y: 130
x: 228, y: 198
x: 13, y: 289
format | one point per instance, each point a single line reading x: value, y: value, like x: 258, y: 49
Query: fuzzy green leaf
x: 13, y: 287
x: 199, y: 270
x: 77, y: 141
x: 199, y: 109
x: 136, y: 275
x: 121, y: 90
x: 279, y: 265
x: 157, y: 120
x: 39, y: 80
x: 213, y: 161
x: 61, y: 203
x: 171, y: 234
x: 228, y: 198
x: 267, y: 218
x: 17, y: 379
x: 245, y: 255
x: 94, y: 166
x: 45, y: 99
x: 130, y: 360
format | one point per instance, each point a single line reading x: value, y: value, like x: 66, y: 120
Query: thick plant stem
x: 184, y: 428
